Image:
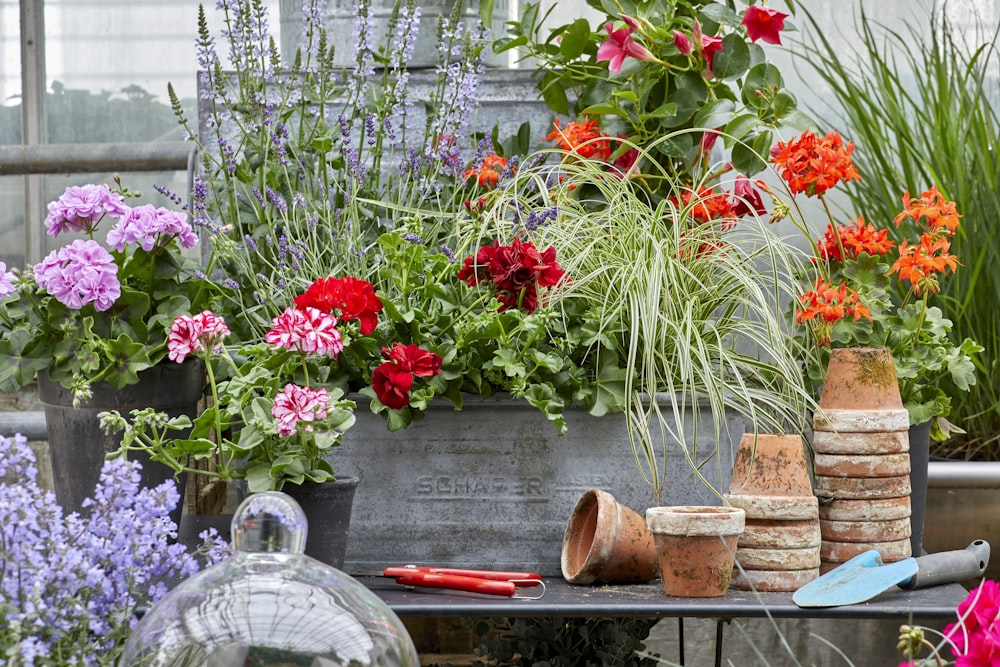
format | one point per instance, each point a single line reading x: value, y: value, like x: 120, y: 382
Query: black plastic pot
x: 328, y: 507
x: 77, y: 443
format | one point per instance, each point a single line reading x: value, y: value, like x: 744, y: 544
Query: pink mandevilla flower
x: 200, y: 335
x: 746, y: 198
x: 299, y: 404
x: 6, y: 281
x: 619, y: 45
x: 80, y: 208
x: 682, y: 43
x: 143, y: 225
x: 764, y: 23
x: 306, y: 330
x: 80, y: 273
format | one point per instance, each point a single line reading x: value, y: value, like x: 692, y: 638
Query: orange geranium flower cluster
x: 849, y: 241
x: 827, y: 304
x: 812, y: 165
x: 708, y: 205
x: 585, y: 139
x: 920, y: 263
x: 488, y: 173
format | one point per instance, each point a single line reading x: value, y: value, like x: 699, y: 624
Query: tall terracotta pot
x: 696, y: 546
x: 77, y: 443
x: 607, y: 542
x: 328, y: 507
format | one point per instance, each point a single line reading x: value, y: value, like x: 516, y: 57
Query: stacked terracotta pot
x: 779, y: 549
x: 862, y: 463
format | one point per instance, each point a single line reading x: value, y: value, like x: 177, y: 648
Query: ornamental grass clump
x: 71, y: 585
x: 849, y: 298
x: 672, y: 305
x: 92, y: 311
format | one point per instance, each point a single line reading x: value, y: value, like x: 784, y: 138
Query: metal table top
x: 649, y: 600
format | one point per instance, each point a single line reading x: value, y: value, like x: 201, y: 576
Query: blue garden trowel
x: 864, y: 576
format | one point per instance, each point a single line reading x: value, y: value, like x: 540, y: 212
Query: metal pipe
x: 963, y: 474
x: 92, y: 158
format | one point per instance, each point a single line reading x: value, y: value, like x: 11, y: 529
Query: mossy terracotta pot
x: 696, y: 546
x: 860, y: 378
x: 605, y: 541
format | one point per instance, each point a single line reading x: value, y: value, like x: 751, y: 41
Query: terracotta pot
x: 608, y: 542
x: 860, y: 378
x: 697, y: 547
x: 770, y: 465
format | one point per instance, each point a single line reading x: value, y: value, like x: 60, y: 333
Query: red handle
x: 414, y: 577
x: 523, y: 578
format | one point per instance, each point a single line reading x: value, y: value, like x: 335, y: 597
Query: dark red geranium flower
x: 392, y: 385
x: 516, y: 270
x: 347, y: 298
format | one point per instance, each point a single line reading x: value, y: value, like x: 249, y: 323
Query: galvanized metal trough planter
x: 493, y: 485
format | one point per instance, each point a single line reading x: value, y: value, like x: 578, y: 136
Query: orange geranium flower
x: 855, y: 239
x: 585, y: 139
x: 488, y: 173
x: 708, y: 205
x: 937, y: 212
x: 826, y: 304
x: 813, y: 165
x: 920, y: 264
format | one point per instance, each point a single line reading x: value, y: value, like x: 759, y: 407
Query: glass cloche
x: 270, y: 604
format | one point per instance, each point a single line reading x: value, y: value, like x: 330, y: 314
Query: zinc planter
x: 697, y: 547
x: 493, y: 485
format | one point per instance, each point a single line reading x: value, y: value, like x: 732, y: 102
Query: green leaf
x: 761, y: 78
x: 784, y: 104
x: 715, y: 114
x: 739, y: 128
x: 126, y: 358
x: 554, y: 93
x: 721, y: 14
x: 575, y: 39
x: 734, y: 58
x: 486, y: 13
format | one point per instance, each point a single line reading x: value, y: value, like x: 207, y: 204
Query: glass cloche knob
x: 270, y: 604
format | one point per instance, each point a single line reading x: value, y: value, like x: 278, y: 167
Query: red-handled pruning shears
x: 490, y: 582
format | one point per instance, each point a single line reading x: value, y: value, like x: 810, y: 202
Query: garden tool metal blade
x: 865, y: 576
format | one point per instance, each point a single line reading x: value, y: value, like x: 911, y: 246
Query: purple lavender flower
x: 80, y: 208
x: 6, y: 281
x: 413, y: 238
x: 449, y: 253
x: 82, y: 272
x: 143, y: 225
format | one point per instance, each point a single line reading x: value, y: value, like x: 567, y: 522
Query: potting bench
x: 649, y: 600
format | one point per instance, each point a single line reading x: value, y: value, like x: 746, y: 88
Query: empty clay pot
x: 697, y: 547
x: 607, y: 542
x: 770, y: 465
x: 860, y: 378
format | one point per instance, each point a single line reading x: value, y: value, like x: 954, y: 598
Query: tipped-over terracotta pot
x: 607, y: 542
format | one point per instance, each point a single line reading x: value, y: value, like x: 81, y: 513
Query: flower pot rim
x: 696, y: 520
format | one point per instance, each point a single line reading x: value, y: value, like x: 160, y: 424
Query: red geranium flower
x: 392, y: 385
x: 516, y: 270
x: 413, y: 358
x: 352, y: 298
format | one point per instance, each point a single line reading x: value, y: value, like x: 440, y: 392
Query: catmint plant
x: 71, y: 585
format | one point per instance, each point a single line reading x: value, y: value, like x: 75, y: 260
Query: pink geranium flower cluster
x: 199, y: 335
x: 6, y: 281
x: 145, y: 225
x: 299, y: 404
x: 80, y: 273
x: 975, y: 638
x: 306, y: 330
x: 80, y: 208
